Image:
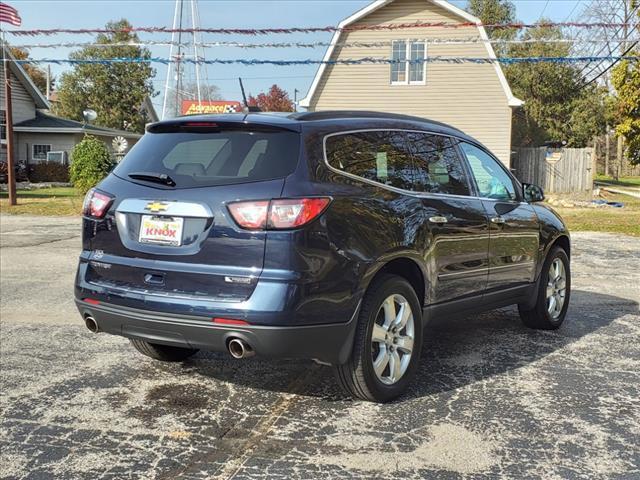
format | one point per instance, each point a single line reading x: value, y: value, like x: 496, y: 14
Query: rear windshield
x: 193, y: 159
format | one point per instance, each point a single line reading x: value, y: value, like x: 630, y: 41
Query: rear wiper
x: 153, y: 177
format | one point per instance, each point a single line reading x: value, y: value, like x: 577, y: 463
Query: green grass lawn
x: 622, y: 181
x: 44, y: 201
x: 605, y: 219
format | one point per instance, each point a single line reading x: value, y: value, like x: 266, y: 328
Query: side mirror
x: 532, y: 193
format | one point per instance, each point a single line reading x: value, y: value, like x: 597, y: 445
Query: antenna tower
x: 185, y: 81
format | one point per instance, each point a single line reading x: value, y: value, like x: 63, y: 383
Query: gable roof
x: 45, y: 123
x: 23, y: 77
x: 377, y: 4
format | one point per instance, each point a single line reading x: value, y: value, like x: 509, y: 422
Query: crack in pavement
x: 296, y: 388
x: 47, y: 242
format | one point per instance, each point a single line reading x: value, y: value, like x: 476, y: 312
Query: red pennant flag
x: 8, y: 14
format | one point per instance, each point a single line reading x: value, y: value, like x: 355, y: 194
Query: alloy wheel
x: 556, y: 288
x: 392, y: 339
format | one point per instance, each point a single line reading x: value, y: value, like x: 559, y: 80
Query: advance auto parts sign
x: 193, y: 107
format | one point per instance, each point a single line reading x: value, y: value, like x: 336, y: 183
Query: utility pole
x: 11, y: 173
x: 607, y: 149
x: 628, y: 12
x: 48, y: 82
x: 295, y: 99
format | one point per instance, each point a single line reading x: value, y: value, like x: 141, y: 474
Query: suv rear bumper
x: 329, y: 343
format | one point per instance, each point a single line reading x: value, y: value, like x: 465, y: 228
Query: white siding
x: 60, y: 142
x: 467, y: 96
x: 23, y: 106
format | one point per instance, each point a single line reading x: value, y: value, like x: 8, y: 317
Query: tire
x: 164, y: 353
x: 358, y: 377
x: 541, y: 316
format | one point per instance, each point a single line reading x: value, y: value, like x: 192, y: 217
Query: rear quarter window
x: 194, y: 159
x: 380, y: 156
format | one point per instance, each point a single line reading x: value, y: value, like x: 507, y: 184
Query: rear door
x: 514, y: 234
x: 174, y: 236
x: 459, y: 233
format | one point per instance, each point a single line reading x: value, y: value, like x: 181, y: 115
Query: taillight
x: 251, y: 215
x: 277, y: 214
x: 96, y: 203
x: 295, y: 212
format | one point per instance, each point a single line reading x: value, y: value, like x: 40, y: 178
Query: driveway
x: 492, y: 399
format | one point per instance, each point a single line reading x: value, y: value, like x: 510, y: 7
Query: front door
x: 457, y: 252
x: 514, y: 229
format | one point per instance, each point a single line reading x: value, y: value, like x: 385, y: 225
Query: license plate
x: 164, y: 231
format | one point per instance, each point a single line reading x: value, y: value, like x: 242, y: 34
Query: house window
x: 40, y: 152
x: 407, y: 67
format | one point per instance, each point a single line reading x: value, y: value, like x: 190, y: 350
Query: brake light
x: 96, y: 203
x: 200, y: 124
x: 277, y: 214
x: 250, y: 215
x: 295, y: 212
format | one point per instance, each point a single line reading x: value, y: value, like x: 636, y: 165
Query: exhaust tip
x: 240, y: 349
x: 91, y: 324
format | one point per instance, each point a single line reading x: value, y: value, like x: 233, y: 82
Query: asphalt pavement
x: 493, y: 399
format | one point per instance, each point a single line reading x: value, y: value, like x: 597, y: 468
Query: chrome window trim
x: 396, y: 189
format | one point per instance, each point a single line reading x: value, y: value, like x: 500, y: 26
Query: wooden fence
x: 563, y: 170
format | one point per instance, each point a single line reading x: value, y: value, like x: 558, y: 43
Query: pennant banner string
x: 313, y: 44
x: 354, y: 61
x: 271, y: 31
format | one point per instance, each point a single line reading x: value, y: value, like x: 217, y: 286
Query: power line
x: 544, y: 9
x: 607, y: 45
x: 572, y: 10
x: 621, y: 57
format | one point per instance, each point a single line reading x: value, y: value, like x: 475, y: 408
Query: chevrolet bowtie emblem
x: 156, y: 207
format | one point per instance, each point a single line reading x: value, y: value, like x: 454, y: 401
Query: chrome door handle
x: 497, y: 220
x: 438, y: 219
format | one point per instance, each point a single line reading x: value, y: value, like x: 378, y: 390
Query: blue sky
x: 38, y: 14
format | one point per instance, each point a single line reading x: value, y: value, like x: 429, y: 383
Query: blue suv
x: 331, y: 236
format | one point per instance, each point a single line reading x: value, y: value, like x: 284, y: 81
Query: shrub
x: 20, y: 169
x: 90, y: 163
x: 48, y: 172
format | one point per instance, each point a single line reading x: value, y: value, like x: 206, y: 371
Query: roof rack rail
x: 331, y: 114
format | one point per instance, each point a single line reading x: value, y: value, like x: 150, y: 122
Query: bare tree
x: 606, y: 40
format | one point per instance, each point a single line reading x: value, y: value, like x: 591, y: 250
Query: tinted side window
x: 492, y: 180
x: 439, y: 168
x: 381, y: 156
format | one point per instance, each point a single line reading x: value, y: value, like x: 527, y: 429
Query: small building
x: 40, y: 136
x: 473, y: 97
